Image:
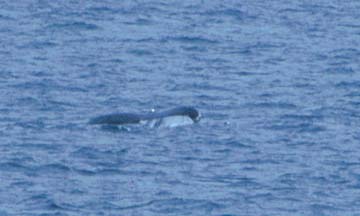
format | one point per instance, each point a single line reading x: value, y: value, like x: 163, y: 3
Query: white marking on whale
x: 168, y: 122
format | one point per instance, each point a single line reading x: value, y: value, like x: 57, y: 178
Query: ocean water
x: 277, y: 83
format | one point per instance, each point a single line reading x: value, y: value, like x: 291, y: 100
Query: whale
x: 177, y: 116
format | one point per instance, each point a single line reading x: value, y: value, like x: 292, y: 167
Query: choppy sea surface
x: 277, y: 83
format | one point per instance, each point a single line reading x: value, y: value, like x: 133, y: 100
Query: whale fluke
x: 131, y: 118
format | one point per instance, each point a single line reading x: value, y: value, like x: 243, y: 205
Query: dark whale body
x: 131, y: 118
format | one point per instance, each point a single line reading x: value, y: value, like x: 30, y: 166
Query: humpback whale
x: 168, y: 118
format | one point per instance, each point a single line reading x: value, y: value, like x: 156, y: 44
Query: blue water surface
x: 278, y: 84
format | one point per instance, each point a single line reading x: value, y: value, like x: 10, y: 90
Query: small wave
x: 299, y: 128
x: 140, y: 52
x: 301, y: 117
x: 41, y: 201
x: 92, y: 153
x: 348, y: 84
x: 85, y: 172
x: 236, y: 144
x: 13, y: 167
x: 39, y: 146
x: 7, y: 18
x: 50, y: 169
x: 190, y: 40
x: 37, y: 84
x: 272, y: 105
x: 168, y: 206
x: 103, y: 10
x: 139, y: 22
x: 341, y: 69
x: 74, y: 26
x: 86, y: 152
x: 39, y: 45
x: 229, y: 12
x: 37, y: 124
x: 195, y: 48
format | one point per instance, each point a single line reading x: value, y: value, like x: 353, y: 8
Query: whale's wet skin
x: 179, y: 116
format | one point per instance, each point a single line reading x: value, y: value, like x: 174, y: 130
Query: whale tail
x: 178, y: 115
